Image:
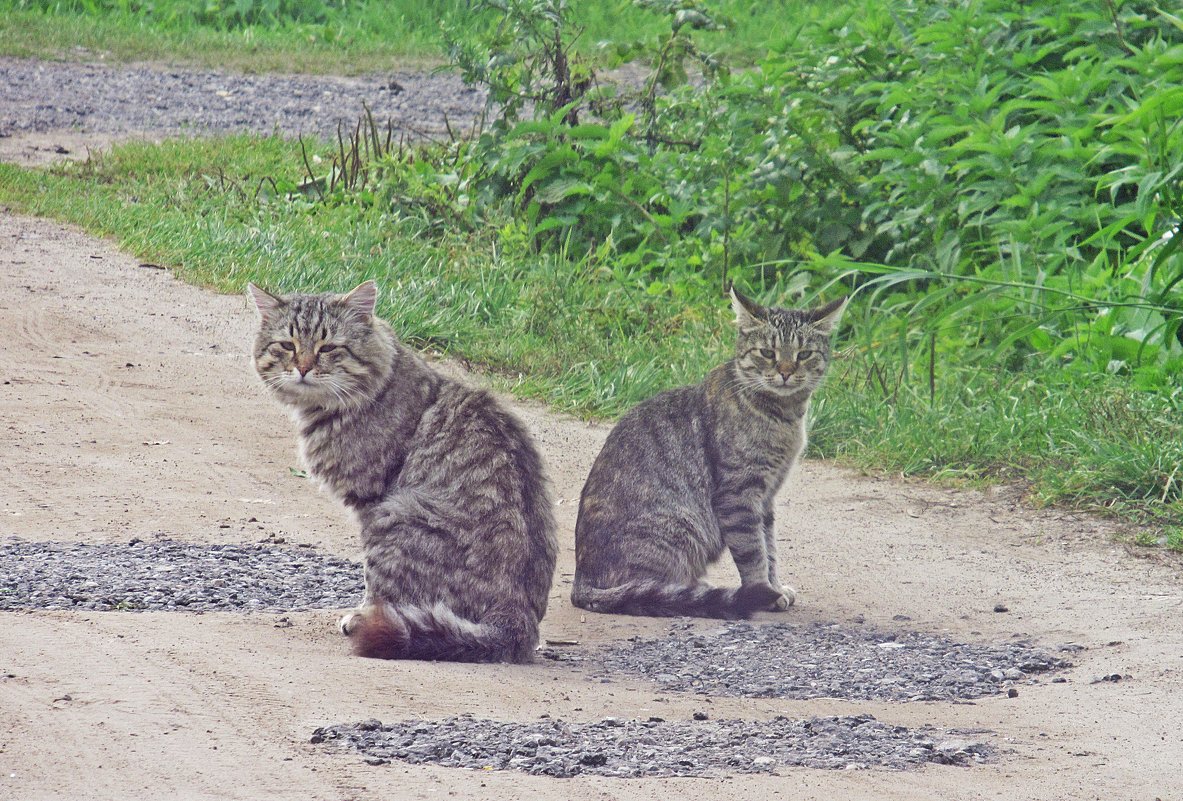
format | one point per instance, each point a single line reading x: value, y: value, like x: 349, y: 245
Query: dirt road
x: 129, y: 409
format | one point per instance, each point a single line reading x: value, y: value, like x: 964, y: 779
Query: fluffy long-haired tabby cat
x: 456, y: 522
x: 693, y: 471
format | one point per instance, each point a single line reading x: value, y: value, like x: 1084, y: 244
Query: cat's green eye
x: 288, y: 345
x: 768, y: 353
x: 327, y: 348
x: 802, y: 355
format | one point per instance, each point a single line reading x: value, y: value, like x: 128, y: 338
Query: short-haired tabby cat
x: 456, y: 521
x: 695, y: 470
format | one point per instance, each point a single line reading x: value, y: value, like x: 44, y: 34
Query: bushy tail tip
x: 387, y: 631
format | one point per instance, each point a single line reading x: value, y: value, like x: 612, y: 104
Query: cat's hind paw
x: 349, y: 622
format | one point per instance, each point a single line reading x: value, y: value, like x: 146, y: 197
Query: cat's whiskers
x: 343, y: 391
x: 340, y: 391
x: 745, y: 382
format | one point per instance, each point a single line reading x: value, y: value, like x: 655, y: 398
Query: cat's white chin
x: 297, y: 389
x: 787, y: 390
x: 309, y: 394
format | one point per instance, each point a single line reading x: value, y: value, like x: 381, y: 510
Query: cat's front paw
x: 760, y: 597
x: 788, y: 596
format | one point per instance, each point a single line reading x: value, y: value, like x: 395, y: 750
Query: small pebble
x: 1110, y: 677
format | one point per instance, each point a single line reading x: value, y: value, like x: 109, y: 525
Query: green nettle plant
x: 1002, y: 180
x: 572, y: 159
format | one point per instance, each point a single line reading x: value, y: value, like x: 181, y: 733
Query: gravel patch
x: 783, y: 660
x: 40, y: 96
x: 174, y: 576
x: 653, y: 748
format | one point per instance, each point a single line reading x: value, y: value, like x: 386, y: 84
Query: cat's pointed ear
x: 826, y: 318
x: 362, y: 298
x: 267, y: 304
x: 749, y: 314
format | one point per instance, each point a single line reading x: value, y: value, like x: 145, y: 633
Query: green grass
x: 350, y: 38
x: 120, y: 37
x: 578, y: 338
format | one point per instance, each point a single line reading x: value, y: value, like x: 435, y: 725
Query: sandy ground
x: 129, y: 408
x: 39, y: 149
x: 42, y: 149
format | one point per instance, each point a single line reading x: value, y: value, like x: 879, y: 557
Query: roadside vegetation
x: 997, y: 184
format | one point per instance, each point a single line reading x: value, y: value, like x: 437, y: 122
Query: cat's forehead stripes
x: 786, y: 328
x: 794, y: 328
x: 308, y: 316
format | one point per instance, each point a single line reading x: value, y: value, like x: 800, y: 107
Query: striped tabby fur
x: 694, y: 471
x: 456, y: 521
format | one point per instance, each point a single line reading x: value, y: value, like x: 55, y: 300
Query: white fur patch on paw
x: 787, y: 598
x: 348, y: 623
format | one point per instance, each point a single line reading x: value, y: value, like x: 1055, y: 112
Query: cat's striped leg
x: 740, y: 526
x: 788, y: 594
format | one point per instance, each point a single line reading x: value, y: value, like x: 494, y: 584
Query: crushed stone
x: 654, y: 748
x: 41, y: 96
x: 166, y: 575
x: 818, y: 660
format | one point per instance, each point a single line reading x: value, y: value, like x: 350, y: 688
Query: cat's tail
x: 654, y: 599
x: 436, y: 633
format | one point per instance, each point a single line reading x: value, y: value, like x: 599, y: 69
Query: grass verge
x: 586, y: 343
x: 346, y: 38
x: 123, y: 37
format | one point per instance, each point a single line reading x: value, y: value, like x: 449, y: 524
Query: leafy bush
x: 1002, y: 180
